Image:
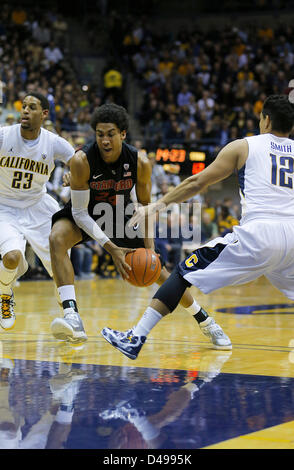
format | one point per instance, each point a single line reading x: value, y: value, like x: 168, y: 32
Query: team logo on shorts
x: 191, y: 261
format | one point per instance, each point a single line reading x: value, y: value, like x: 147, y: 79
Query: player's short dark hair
x: 113, y: 113
x: 280, y: 111
x: 43, y: 100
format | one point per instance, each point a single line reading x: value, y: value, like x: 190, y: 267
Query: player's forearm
x: 80, y: 202
x: 149, y: 234
x: 187, y: 189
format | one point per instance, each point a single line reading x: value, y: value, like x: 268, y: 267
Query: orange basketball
x: 146, y: 267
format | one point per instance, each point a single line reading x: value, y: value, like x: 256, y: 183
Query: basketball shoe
x: 124, y: 341
x: 69, y: 328
x: 218, y: 338
x: 7, y: 315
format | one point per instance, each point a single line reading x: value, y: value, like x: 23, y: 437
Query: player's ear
x: 45, y: 113
x: 123, y: 134
x: 268, y: 123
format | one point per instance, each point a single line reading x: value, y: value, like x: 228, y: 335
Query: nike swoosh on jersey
x: 97, y: 176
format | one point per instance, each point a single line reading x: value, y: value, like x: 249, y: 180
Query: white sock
x: 194, y: 308
x: 67, y: 293
x: 148, y: 321
x: 68, y: 298
x: 7, y: 276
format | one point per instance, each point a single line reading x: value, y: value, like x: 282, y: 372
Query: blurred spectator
x: 172, y: 174
x: 82, y: 257
x: 209, y: 229
x: 158, y: 176
x: 113, y: 83
x: 184, y: 96
x: 52, y: 53
x: 19, y: 16
x: 226, y: 222
x: 168, y: 240
x: 42, y: 33
x: 10, y: 120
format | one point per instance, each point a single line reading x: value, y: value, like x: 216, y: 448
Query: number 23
x: 17, y: 180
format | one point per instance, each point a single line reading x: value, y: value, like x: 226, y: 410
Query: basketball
x: 146, y: 267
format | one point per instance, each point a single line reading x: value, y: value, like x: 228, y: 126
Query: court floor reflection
x: 83, y: 406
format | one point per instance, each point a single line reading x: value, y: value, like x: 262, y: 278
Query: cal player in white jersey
x: 263, y: 244
x: 27, y: 154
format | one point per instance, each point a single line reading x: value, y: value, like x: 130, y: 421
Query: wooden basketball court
x: 188, y: 395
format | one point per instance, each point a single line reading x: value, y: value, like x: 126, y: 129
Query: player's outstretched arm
x: 233, y: 156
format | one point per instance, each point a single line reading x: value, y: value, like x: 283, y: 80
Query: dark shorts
x: 65, y: 213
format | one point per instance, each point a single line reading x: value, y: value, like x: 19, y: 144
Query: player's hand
x: 66, y: 179
x: 142, y: 212
x: 118, y: 255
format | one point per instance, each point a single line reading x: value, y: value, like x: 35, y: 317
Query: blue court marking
x: 84, y: 406
x: 258, y: 309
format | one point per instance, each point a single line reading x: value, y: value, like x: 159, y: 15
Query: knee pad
x: 172, y: 290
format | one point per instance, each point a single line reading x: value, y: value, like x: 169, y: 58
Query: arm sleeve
x: 80, y: 201
x: 63, y: 151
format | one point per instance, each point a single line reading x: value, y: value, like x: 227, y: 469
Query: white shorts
x: 32, y: 225
x: 259, y: 247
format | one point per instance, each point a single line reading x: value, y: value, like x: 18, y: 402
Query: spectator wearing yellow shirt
x: 226, y: 221
x: 113, y: 84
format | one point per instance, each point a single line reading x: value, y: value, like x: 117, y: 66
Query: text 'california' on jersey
x: 26, y: 165
x: 267, y: 178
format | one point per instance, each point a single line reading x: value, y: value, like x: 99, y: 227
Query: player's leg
x: 204, y: 320
x: 165, y: 300
x: 64, y: 235
x: 12, y: 265
x: 223, y: 261
x: 52, y: 247
x: 38, y: 234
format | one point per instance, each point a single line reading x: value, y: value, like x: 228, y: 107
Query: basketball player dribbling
x: 27, y: 154
x: 263, y: 244
x: 103, y: 175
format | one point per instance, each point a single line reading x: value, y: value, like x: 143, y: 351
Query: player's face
x: 109, y: 139
x: 32, y: 115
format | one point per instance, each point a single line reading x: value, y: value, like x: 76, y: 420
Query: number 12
x: 286, y: 165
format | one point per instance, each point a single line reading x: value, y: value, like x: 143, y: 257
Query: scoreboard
x: 189, y: 161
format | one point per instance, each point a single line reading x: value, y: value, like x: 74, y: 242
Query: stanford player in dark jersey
x: 103, y: 175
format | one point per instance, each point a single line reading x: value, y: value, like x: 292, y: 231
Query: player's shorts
x: 123, y: 242
x: 259, y: 247
x: 32, y: 225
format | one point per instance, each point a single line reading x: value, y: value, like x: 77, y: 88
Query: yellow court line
x: 275, y: 437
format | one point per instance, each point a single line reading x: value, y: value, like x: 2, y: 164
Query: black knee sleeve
x: 172, y: 290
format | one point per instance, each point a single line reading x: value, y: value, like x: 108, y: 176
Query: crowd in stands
x: 201, y: 89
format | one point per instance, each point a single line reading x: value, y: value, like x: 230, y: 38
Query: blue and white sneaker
x: 124, y: 341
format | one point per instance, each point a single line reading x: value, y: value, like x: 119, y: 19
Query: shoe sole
x: 62, y: 331
x: 223, y: 348
x: 130, y: 356
x: 10, y: 328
